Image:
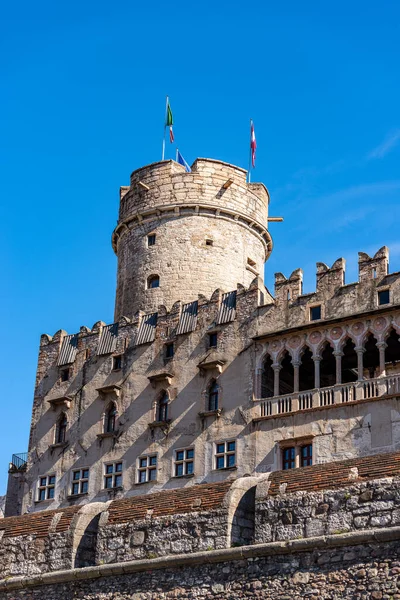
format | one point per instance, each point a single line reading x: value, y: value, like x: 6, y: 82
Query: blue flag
x: 182, y: 161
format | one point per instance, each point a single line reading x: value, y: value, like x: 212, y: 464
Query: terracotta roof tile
x: 38, y: 523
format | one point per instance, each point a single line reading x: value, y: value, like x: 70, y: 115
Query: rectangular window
x: 225, y: 454
x: 315, y: 313
x: 46, y: 487
x: 184, y: 462
x: 383, y: 297
x: 117, y: 362
x: 64, y: 374
x: 113, y: 475
x: 151, y: 239
x: 147, y: 468
x: 212, y: 340
x: 288, y: 458
x: 209, y: 242
x: 169, y: 350
x: 306, y: 455
x: 80, y: 482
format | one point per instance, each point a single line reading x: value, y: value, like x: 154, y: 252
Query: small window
x: 383, y: 297
x: 225, y: 455
x: 153, y: 282
x: 315, y: 313
x: 212, y: 340
x: 147, y: 468
x: 184, y: 462
x: 306, y: 455
x: 151, y: 239
x: 209, y: 242
x: 162, y: 408
x: 46, y: 487
x: 117, y: 362
x: 169, y: 350
x: 87, y: 353
x: 65, y: 374
x: 113, y: 475
x: 213, y: 396
x: 374, y: 273
x: 110, y: 418
x: 80, y: 482
x: 251, y: 263
x: 288, y: 458
x: 61, y: 429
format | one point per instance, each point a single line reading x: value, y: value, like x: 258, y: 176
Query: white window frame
x: 146, y: 465
x: 225, y: 454
x: 184, y: 461
x: 47, y: 487
x: 80, y: 481
x: 112, y: 475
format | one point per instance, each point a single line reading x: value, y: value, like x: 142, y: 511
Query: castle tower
x: 180, y: 234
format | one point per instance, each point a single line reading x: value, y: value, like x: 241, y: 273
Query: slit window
x: 184, y: 462
x: 212, y: 340
x: 315, y: 313
x: 162, y: 408
x: 110, y: 419
x: 80, y: 482
x: 225, y: 455
x: 209, y: 242
x: 113, y: 475
x: 147, y: 468
x: 383, y: 297
x: 46, y: 487
x: 151, y: 239
x: 169, y: 350
x: 213, y: 394
x: 61, y: 429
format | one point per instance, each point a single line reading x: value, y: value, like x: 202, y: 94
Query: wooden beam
x: 227, y: 184
x: 143, y: 185
x: 275, y: 219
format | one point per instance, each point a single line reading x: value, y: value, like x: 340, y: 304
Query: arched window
x: 162, y: 407
x: 153, y: 282
x: 110, y: 418
x: 61, y: 429
x: 213, y: 393
x: 267, y: 379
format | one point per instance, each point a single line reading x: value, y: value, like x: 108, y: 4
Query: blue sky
x: 82, y: 92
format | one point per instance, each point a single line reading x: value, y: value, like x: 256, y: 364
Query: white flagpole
x: 165, y: 127
x: 176, y: 155
x: 249, y: 171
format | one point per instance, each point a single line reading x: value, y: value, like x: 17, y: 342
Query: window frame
x: 213, y: 337
x: 184, y: 462
x: 113, y: 475
x: 213, y: 396
x: 49, y: 487
x: 147, y: 468
x: 65, y: 374
x: 152, y: 279
x: 60, y: 434
x: 111, y: 408
x: 384, y: 291
x: 80, y: 481
x: 169, y: 350
x: 152, y: 237
x: 117, y: 362
x: 225, y: 454
x: 298, y: 460
x: 312, y: 308
x: 162, y: 408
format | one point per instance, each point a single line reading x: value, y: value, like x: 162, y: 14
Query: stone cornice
x: 184, y: 209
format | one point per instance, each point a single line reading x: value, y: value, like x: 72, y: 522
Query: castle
x: 202, y: 419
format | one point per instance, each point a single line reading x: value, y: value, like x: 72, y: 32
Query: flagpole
x: 249, y: 171
x: 165, y: 120
x: 176, y: 155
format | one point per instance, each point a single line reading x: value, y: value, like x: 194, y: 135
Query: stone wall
x: 357, y: 567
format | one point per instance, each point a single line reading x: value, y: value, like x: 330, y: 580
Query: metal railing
x: 18, y: 461
x: 336, y: 394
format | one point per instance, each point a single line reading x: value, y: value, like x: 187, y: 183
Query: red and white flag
x: 253, y: 145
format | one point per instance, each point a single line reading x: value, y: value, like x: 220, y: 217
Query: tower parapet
x: 181, y: 234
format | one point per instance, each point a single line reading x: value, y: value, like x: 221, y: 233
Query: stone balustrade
x: 337, y: 394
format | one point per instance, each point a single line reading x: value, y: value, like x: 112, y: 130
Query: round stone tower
x: 180, y: 234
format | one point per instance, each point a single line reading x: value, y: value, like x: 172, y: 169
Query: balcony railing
x: 337, y: 394
x: 18, y: 462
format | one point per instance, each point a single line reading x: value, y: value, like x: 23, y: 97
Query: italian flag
x: 169, y: 122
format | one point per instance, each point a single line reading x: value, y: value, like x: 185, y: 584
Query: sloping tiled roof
x: 203, y: 497
x: 336, y: 474
x: 38, y: 524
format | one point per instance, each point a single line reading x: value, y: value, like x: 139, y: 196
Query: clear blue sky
x: 82, y: 91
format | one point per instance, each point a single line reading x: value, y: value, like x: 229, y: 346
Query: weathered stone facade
x: 181, y: 428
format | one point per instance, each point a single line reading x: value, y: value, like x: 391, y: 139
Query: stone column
x: 257, y: 384
x: 317, y: 371
x: 338, y: 356
x: 276, y: 367
x: 382, y: 347
x: 297, y: 456
x: 360, y: 363
x: 296, y: 368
